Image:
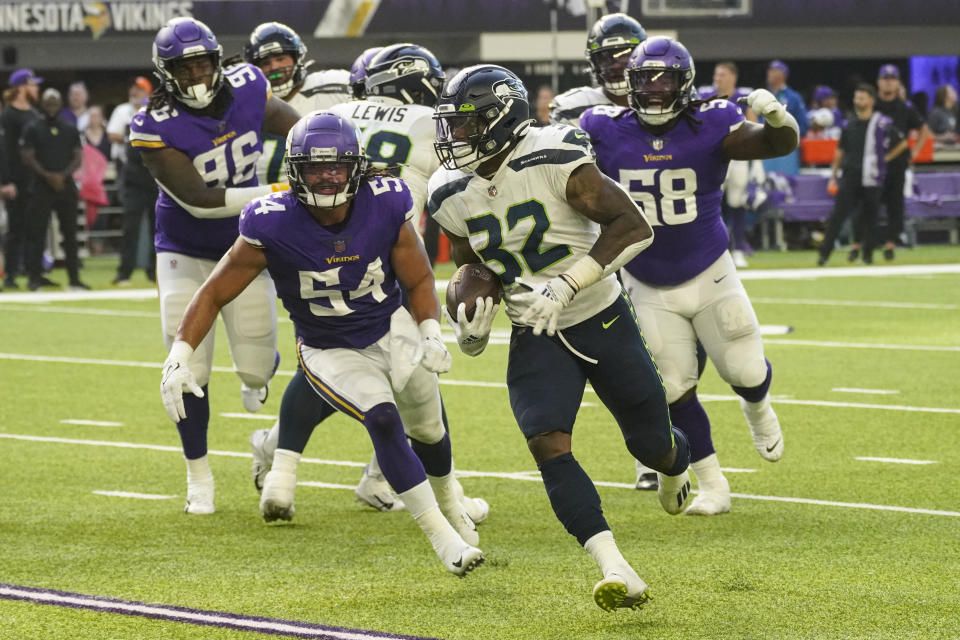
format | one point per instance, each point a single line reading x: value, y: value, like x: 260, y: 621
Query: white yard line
x: 71, y: 296
x: 861, y: 345
x: 529, y: 476
x: 895, y: 460
x: 856, y: 303
x: 92, y: 423
x: 876, y: 392
x: 248, y: 416
x: 494, y: 385
x: 128, y: 494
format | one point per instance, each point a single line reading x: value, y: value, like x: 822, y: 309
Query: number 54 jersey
x: 519, y: 221
x: 676, y: 176
x: 224, y: 152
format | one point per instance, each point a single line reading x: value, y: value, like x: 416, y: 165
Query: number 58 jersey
x: 520, y: 223
x: 677, y: 177
x: 224, y: 152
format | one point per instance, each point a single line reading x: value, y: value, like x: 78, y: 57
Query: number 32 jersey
x: 224, y: 152
x: 520, y: 223
x: 676, y: 177
x: 336, y: 282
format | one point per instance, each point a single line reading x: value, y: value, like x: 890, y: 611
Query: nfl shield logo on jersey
x: 492, y: 191
x: 339, y: 246
x: 658, y: 144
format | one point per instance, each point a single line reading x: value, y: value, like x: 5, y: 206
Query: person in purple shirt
x: 338, y: 246
x: 200, y: 139
x: 671, y: 153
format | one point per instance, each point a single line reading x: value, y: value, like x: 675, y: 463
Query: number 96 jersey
x: 224, y: 152
x: 676, y: 177
x: 520, y: 223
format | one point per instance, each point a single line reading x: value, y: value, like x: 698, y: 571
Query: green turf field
x: 818, y: 545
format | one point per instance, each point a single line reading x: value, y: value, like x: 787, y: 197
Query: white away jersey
x: 519, y: 221
x: 567, y: 107
x: 320, y: 90
x: 397, y: 134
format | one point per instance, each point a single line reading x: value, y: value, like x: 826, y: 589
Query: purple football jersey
x: 676, y: 177
x: 336, y: 282
x: 224, y: 153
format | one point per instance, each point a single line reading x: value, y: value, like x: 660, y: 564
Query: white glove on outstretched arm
x: 176, y: 379
x: 766, y: 105
x: 545, y: 304
x: 436, y: 358
x: 473, y: 335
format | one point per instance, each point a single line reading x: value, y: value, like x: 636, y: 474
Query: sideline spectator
x: 118, y: 127
x: 826, y: 120
x: 777, y: 72
x: 906, y: 119
x: 8, y: 190
x: 139, y: 196
x: 95, y: 133
x: 51, y: 150
x: 545, y: 96
x: 867, y: 144
x: 20, y: 99
x: 943, y: 117
x: 76, y: 110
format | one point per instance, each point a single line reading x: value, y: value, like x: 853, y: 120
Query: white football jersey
x: 567, y: 107
x: 520, y: 223
x: 321, y: 90
x: 397, y: 134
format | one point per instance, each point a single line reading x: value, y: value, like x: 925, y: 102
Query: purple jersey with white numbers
x: 676, y: 177
x: 336, y: 282
x: 224, y: 153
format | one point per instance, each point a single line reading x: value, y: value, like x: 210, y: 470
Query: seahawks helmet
x: 358, y: 72
x: 405, y: 72
x: 324, y: 141
x: 609, y: 45
x: 181, y: 39
x: 482, y: 110
x: 273, y: 37
x: 660, y: 74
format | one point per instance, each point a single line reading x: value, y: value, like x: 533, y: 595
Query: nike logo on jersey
x: 773, y: 446
x: 607, y: 324
x: 720, y: 278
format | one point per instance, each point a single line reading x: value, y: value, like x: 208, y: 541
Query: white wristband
x: 180, y: 351
x: 584, y: 273
x: 430, y: 328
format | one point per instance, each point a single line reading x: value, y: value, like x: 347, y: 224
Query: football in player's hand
x: 472, y: 281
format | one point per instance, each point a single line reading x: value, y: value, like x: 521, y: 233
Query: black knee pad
x: 383, y: 420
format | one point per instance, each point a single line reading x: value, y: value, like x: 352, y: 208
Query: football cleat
x: 464, y: 561
x: 674, y: 492
x: 261, y: 461
x: 462, y: 524
x: 276, y: 501
x: 476, y: 508
x: 374, y: 490
x: 200, y: 497
x: 739, y: 259
x: 710, y: 502
x: 646, y: 478
x: 764, y: 427
x: 621, y: 591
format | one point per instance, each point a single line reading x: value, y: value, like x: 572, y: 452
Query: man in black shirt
x: 867, y: 143
x: 906, y: 119
x: 19, y: 98
x: 51, y: 150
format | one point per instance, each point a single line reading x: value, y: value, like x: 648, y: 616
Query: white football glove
x: 766, y: 105
x: 545, y: 305
x: 436, y: 358
x: 176, y: 379
x: 472, y: 335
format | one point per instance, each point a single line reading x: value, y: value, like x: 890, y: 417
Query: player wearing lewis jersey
x: 529, y: 203
x: 609, y: 44
x: 200, y: 139
x: 282, y: 56
x: 671, y: 154
x: 338, y: 246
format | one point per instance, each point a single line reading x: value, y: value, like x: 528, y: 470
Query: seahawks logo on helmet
x: 510, y: 88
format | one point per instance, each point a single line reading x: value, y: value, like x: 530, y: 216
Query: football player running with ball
x: 671, y: 153
x: 338, y: 246
x: 200, y: 138
x: 529, y: 203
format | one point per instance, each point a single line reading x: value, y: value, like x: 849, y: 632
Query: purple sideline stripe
x: 271, y: 626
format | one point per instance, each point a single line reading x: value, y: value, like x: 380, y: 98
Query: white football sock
x: 270, y: 442
x: 198, y: 470
x: 373, y: 469
x: 285, y: 461
x: 604, y: 550
x: 709, y: 476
